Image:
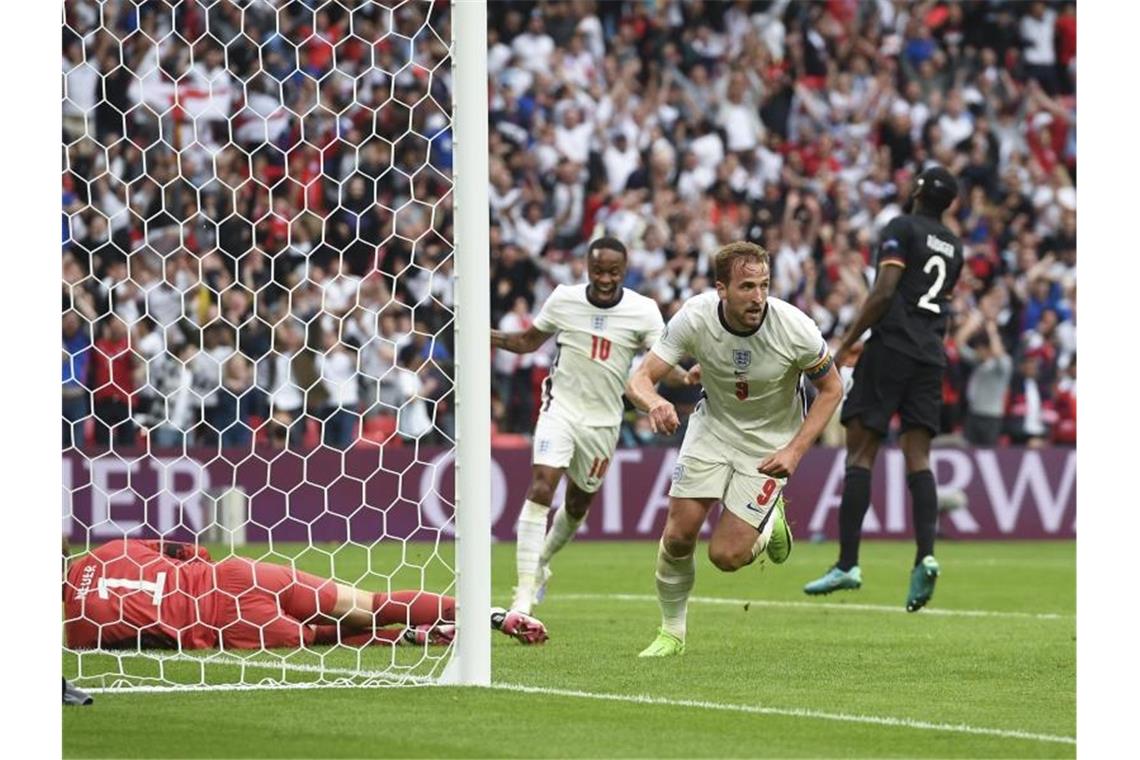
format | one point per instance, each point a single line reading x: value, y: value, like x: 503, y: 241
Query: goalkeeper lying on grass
x: 153, y: 594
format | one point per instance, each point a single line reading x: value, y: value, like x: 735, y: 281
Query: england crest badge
x: 678, y: 472
x: 741, y: 359
x: 600, y: 322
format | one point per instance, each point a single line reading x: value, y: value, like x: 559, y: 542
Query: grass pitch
x: 989, y: 669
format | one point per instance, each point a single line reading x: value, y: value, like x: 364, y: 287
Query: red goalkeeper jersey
x: 130, y: 591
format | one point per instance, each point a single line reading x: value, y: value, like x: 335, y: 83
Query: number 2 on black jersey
x: 925, y: 301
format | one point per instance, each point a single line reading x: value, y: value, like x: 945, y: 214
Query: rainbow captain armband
x: 820, y: 367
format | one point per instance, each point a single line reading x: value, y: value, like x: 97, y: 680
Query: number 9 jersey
x: 931, y: 257
x: 753, y: 399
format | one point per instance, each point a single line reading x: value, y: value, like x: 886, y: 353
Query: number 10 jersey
x: 596, y: 347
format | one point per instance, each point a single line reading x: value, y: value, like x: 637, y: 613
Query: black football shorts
x: 887, y: 381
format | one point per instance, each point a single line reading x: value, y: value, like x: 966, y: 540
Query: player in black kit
x: 900, y: 370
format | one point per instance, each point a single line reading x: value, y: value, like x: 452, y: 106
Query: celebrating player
x: 601, y: 326
x: 151, y: 594
x: 900, y: 369
x: 746, y: 436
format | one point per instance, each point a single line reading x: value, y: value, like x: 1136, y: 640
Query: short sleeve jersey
x: 596, y: 347
x: 753, y: 397
x: 931, y: 257
x: 127, y: 590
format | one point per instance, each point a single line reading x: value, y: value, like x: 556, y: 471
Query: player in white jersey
x: 747, y: 435
x: 601, y: 327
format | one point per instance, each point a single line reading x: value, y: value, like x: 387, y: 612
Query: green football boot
x: 922, y: 579
x: 780, y: 542
x: 835, y: 580
x: 665, y: 645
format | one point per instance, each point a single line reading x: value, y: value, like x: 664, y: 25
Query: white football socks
x: 561, y: 532
x: 758, y: 548
x: 532, y: 531
x: 762, y: 541
x: 675, y: 576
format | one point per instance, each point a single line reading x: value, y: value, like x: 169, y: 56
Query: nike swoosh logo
x: 754, y: 509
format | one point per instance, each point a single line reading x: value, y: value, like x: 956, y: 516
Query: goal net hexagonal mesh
x: 257, y: 322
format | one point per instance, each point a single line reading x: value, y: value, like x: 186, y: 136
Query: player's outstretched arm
x: 783, y: 463
x: 519, y: 342
x: 873, y: 309
x: 642, y: 391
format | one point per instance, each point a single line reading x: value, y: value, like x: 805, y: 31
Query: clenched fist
x: 663, y: 418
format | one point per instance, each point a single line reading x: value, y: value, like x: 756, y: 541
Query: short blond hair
x: 740, y: 252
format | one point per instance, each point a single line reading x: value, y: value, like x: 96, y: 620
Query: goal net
x: 258, y: 313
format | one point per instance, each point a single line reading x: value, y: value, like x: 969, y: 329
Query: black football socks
x: 852, y: 510
x: 924, y: 506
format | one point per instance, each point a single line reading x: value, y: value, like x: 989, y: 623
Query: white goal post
x: 472, y: 338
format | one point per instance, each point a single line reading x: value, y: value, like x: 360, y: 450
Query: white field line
x: 641, y: 699
x: 793, y: 712
x: 816, y: 606
x: 387, y: 678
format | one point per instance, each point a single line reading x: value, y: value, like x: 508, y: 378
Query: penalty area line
x: 792, y: 712
x: 856, y: 607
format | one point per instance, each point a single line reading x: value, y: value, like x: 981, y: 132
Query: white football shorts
x: 584, y: 452
x: 710, y: 468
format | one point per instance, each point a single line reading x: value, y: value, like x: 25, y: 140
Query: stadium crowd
x: 273, y: 262
x: 678, y: 127
x: 256, y: 224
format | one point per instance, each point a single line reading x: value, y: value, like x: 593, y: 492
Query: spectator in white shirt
x: 590, y: 27
x: 695, y: 178
x: 81, y: 82
x: 498, y: 54
x: 415, y: 386
x: 569, y: 199
x: 285, y: 397
x: 504, y: 196
x: 545, y: 150
x: 578, y: 65
x: 1037, y: 32
x: 339, y: 288
x: 708, y: 147
x: 163, y: 301
x: 532, y: 231
x: 573, y: 136
x: 337, y: 368
x: 956, y: 123
x: 180, y: 413
x: 621, y: 160
x: 797, y: 244
x: 740, y: 118
x: 534, y: 47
